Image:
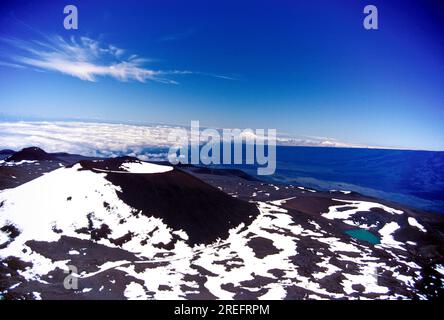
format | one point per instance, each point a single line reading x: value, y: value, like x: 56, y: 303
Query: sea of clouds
x: 108, y: 139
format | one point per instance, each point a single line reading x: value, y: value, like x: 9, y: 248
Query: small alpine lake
x: 365, y: 235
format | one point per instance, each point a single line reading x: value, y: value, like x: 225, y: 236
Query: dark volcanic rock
x: 6, y: 152
x: 91, y: 254
x: 262, y: 247
x: 224, y: 172
x: 112, y: 164
x: 32, y: 153
x: 183, y: 201
x: 13, y: 173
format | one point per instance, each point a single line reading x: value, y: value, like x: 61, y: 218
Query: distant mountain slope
x: 27, y: 164
x: 139, y: 230
x: 182, y: 201
x: 6, y: 152
x: 31, y: 154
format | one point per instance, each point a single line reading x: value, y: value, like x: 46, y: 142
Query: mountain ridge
x: 140, y: 230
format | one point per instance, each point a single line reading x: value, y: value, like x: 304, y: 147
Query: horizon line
x: 34, y: 119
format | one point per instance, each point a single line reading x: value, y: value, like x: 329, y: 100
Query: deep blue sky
x: 303, y: 67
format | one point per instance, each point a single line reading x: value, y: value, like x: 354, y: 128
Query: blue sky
x: 307, y: 68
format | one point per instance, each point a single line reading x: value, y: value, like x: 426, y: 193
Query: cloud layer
x: 86, y: 59
x: 104, y: 139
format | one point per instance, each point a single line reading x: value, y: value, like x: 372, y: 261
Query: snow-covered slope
x: 146, y: 231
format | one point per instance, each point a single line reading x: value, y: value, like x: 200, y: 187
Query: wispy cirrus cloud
x: 11, y: 65
x: 88, y: 59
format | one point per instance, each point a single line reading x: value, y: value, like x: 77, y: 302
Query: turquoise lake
x: 362, y: 234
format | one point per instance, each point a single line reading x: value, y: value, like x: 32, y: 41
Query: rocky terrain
x: 139, y: 230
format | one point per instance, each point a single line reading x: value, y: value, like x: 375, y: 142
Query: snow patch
x: 414, y: 223
x: 343, y: 213
x: 135, y: 291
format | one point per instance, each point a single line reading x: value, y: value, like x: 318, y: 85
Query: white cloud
x: 86, y: 59
x: 90, y: 139
x: 317, y: 142
x: 104, y: 139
